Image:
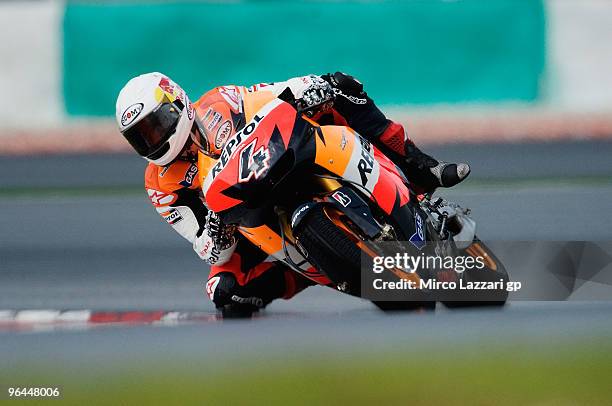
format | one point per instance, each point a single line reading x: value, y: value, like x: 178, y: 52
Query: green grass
x: 518, y: 375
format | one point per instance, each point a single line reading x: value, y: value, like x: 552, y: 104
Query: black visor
x: 150, y: 134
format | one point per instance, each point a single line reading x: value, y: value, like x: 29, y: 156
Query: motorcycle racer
x: 156, y: 117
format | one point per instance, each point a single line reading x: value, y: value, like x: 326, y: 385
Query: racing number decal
x: 253, y: 164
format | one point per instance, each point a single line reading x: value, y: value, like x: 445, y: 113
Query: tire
x: 332, y: 252
x: 486, y: 274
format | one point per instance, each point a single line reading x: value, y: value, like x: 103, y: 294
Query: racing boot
x: 430, y: 173
x: 420, y: 168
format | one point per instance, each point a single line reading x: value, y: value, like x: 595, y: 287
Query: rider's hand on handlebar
x: 312, y: 94
x: 222, y: 235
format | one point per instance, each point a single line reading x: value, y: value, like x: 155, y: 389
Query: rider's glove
x: 217, y: 242
x: 311, y: 93
x: 347, y: 89
x: 222, y: 235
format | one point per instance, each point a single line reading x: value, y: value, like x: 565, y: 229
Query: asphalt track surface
x: 113, y: 252
x: 488, y: 161
x: 116, y: 253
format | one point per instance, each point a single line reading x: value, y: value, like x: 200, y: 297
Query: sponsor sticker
x: 257, y: 87
x: 223, y: 133
x: 130, y: 114
x: 166, y: 86
x: 418, y: 238
x: 341, y: 198
x: 232, y: 144
x: 160, y: 198
x: 230, y: 94
x: 190, y: 175
x: 299, y: 213
x: 212, y: 118
x: 255, y: 301
x: 366, y: 163
x: 190, y: 109
x: 173, y: 217
x: 211, y: 285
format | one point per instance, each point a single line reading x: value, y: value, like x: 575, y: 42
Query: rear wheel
x: 334, y: 251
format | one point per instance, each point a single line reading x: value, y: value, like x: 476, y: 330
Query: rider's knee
x: 221, y: 287
x: 229, y: 297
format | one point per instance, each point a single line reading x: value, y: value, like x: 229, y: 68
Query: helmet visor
x: 200, y: 139
x: 150, y: 134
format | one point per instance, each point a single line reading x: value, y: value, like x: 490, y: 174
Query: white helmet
x: 156, y: 117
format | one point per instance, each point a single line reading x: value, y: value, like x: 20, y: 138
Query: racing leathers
x: 240, y: 279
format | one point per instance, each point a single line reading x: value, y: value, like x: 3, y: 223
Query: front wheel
x: 493, y: 271
x: 333, y: 249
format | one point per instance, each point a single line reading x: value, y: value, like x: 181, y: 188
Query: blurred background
x: 454, y: 71
x: 520, y: 89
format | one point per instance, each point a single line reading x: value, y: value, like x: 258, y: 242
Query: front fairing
x: 257, y: 159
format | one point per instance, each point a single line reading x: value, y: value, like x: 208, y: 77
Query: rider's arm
x: 316, y: 95
x: 359, y: 111
x: 175, y: 195
x: 308, y: 94
x: 172, y: 192
x: 353, y: 107
x: 215, y: 242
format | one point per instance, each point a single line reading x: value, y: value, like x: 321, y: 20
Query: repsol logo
x: 173, y: 217
x: 232, y: 144
x: 366, y: 162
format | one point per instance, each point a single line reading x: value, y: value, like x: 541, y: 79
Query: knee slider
x: 221, y: 287
x: 225, y: 291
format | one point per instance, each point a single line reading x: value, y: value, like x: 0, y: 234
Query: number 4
x: 253, y: 164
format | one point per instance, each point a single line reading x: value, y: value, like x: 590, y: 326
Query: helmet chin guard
x: 176, y: 142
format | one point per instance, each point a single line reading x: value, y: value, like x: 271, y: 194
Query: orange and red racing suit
x: 240, y: 278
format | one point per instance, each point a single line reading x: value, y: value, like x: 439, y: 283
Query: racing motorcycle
x: 321, y: 198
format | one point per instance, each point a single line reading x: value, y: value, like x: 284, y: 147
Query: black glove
x: 222, y: 235
x: 309, y: 94
x: 353, y: 103
x: 347, y: 87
